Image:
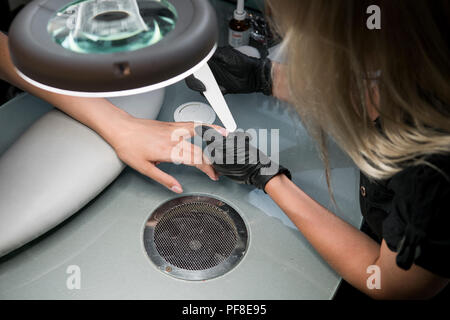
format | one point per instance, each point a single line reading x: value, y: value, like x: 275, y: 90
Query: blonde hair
x: 334, y: 60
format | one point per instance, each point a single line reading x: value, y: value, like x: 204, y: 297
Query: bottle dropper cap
x: 240, y: 13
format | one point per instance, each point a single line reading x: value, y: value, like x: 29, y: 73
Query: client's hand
x: 233, y: 156
x: 143, y: 144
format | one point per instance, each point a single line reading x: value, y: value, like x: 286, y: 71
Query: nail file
x: 215, y: 97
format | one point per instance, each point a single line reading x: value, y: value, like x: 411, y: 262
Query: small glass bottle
x: 239, y: 27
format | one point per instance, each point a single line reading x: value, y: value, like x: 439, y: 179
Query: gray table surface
x: 105, y: 238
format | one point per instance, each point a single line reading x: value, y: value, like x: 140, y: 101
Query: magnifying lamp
x: 110, y: 48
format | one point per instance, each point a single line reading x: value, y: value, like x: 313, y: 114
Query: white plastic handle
x: 215, y: 97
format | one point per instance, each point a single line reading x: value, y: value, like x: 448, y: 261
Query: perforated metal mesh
x: 195, y: 236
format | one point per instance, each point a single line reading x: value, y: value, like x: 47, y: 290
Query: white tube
x: 240, y: 6
x: 215, y: 97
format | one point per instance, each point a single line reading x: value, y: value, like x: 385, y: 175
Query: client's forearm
x: 96, y: 113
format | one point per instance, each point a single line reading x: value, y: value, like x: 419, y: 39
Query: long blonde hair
x: 334, y: 59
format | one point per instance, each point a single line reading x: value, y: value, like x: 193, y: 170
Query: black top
x: 411, y: 212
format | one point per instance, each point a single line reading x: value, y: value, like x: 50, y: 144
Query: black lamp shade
x: 41, y: 60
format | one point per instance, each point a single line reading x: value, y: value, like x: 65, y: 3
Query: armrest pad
x: 54, y: 169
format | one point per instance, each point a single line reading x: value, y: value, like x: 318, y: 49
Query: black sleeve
x: 418, y: 228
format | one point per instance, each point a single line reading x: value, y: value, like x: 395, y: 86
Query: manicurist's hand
x: 236, y: 72
x: 234, y: 157
x: 143, y: 144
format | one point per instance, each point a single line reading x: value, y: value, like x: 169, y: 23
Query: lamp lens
x: 106, y: 26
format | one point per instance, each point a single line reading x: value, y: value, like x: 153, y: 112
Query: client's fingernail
x: 223, y: 131
x: 176, y: 189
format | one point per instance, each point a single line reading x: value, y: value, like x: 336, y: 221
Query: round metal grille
x: 195, y: 237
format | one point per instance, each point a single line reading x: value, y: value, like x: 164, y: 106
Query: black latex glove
x: 236, y: 72
x: 233, y: 156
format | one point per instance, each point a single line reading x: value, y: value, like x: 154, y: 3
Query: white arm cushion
x: 55, y: 168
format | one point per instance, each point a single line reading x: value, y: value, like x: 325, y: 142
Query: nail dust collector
x: 110, y: 48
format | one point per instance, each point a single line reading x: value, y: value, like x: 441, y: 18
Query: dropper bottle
x: 239, y: 27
